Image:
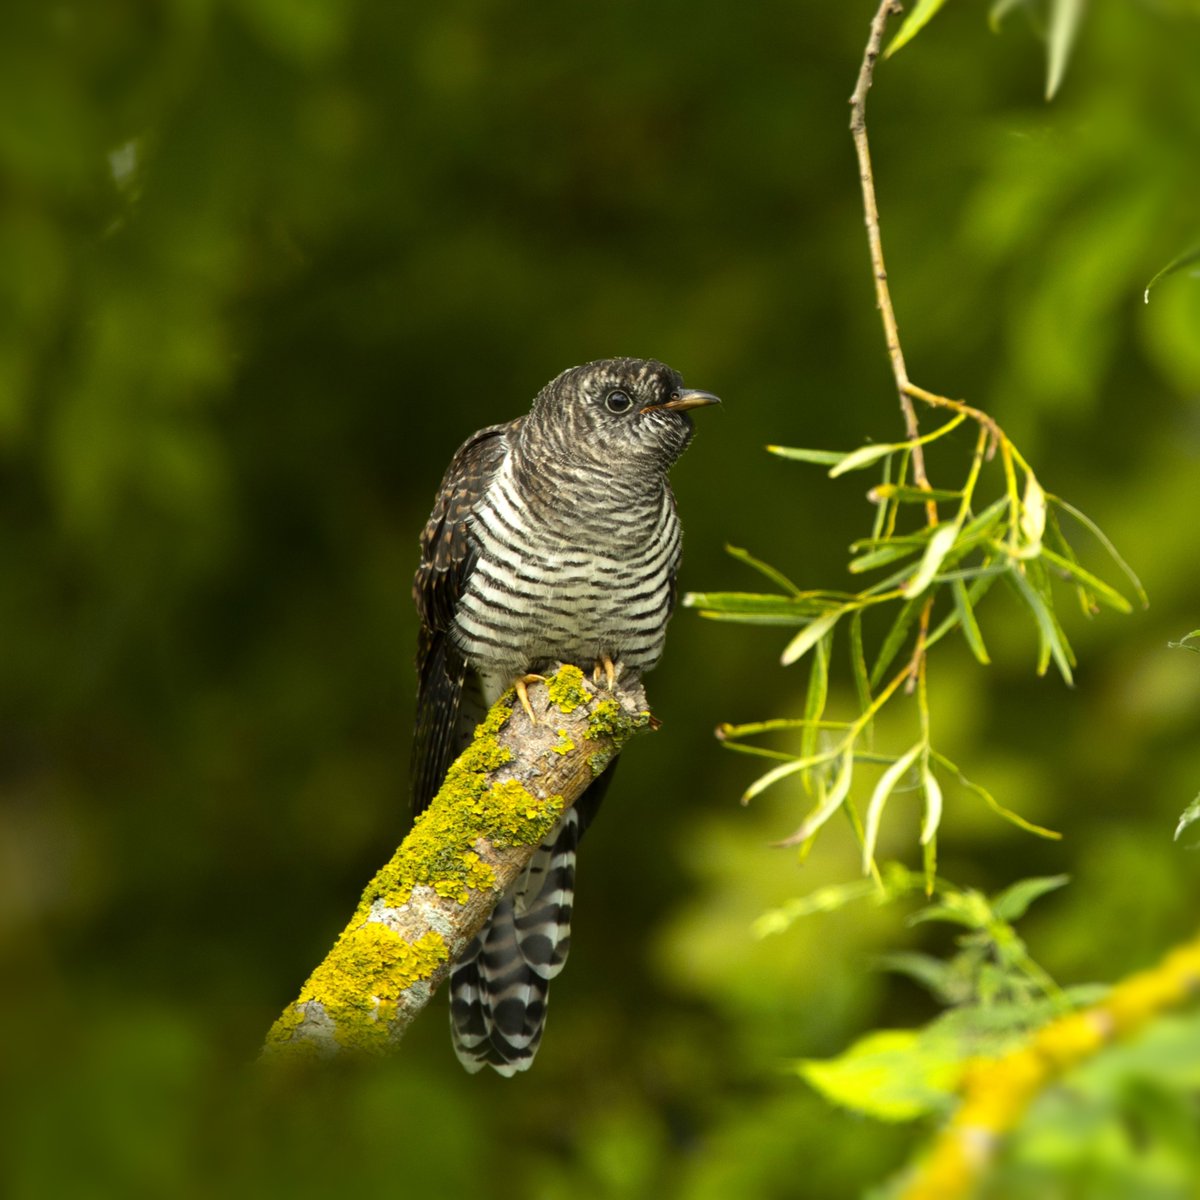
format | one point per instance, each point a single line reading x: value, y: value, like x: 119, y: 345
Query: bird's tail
x: 500, y: 986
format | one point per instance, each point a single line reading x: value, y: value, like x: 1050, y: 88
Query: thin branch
x: 501, y: 798
x: 883, y: 295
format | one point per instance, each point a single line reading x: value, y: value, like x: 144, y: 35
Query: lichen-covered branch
x: 998, y: 1092
x: 500, y: 799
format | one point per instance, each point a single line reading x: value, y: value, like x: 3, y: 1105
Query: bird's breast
x: 569, y: 582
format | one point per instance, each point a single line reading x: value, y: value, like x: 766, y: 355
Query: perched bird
x: 553, y: 538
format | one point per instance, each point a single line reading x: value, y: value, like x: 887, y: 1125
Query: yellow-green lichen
x: 439, y: 852
x: 599, y: 761
x: 609, y: 719
x: 564, y: 744
x: 566, y: 689
x: 360, y: 983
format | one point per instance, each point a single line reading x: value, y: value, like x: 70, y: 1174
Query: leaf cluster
x: 935, y: 575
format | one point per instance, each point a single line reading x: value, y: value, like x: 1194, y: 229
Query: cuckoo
x: 553, y: 539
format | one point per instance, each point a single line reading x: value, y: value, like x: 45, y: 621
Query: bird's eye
x: 618, y: 402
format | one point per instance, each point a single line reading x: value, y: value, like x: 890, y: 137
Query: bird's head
x: 619, y: 412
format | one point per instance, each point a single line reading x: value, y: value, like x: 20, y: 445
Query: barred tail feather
x: 500, y: 986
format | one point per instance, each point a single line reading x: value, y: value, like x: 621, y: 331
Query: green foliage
x: 937, y: 575
x: 1062, y: 19
x: 1181, y: 262
x: 995, y: 992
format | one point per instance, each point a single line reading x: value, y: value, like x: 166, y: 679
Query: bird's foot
x: 521, y: 687
x: 605, y: 666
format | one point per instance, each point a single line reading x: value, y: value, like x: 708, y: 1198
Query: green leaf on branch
x: 879, y: 798
x: 890, y: 1074
x: 940, y: 545
x: 1190, y: 817
x: 1189, y: 258
x: 1065, y: 19
x: 809, y: 636
x: 823, y: 457
x: 1091, y: 584
x: 970, y: 626
x: 923, y: 12
x: 833, y: 800
x: 755, y: 608
x: 756, y: 564
x: 1012, y: 903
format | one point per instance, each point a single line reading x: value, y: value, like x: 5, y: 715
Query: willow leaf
x: 879, y: 798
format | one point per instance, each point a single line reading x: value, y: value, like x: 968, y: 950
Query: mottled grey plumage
x: 554, y: 538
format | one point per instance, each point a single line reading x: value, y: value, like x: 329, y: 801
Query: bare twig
x: 883, y: 295
x: 501, y: 798
x: 906, y: 389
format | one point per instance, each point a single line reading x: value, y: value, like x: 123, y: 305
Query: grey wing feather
x: 447, y: 691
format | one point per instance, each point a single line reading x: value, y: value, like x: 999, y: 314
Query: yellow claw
x: 604, y: 664
x: 521, y: 688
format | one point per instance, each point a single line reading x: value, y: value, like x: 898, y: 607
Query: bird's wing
x: 673, y: 567
x: 448, y: 555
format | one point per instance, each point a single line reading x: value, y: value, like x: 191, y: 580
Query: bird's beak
x: 683, y: 400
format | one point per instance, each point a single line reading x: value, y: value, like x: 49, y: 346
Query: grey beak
x: 681, y: 401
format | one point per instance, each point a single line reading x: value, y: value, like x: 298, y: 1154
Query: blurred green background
x: 262, y: 267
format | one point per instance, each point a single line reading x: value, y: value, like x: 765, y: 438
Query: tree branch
x: 997, y: 1092
x: 500, y: 799
x: 883, y: 295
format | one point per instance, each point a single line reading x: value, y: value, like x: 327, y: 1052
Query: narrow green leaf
x: 1190, y: 816
x: 774, y: 725
x: 994, y: 804
x: 911, y: 495
x: 1012, y: 903
x: 913, y: 541
x: 756, y: 564
x: 921, y: 15
x: 879, y: 798
x: 758, y: 751
x: 879, y: 558
x: 1187, y: 259
x: 1184, y: 642
x: 1000, y: 9
x: 1035, y: 572
x: 894, y: 640
x: 1098, y: 587
x: 832, y: 802
x: 983, y: 579
x: 1103, y: 539
x: 781, y: 610
x: 1049, y: 640
x: 824, y: 457
x: 826, y: 899
x: 882, y: 508
x: 818, y: 693
x: 939, y: 546
x: 929, y: 857
x: 858, y: 665
x: 986, y: 521
x: 933, y: 805
x: 1088, y: 604
x: 1033, y: 512
x: 864, y: 456
x: 774, y: 775
x: 808, y: 637
x: 1065, y: 18
x: 970, y: 626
